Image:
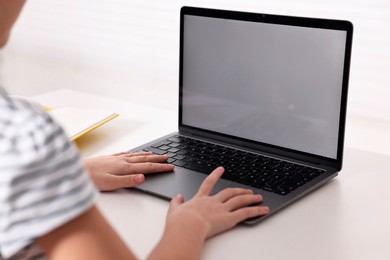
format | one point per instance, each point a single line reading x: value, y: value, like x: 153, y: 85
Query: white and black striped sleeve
x: 43, y: 183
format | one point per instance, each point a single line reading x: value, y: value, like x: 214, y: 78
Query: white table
x: 348, y: 218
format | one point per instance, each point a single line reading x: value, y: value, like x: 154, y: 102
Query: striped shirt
x: 43, y: 182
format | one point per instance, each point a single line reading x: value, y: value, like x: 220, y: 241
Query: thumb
x: 176, y: 201
x: 117, y: 182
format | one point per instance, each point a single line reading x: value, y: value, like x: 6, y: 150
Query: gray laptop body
x: 257, y: 85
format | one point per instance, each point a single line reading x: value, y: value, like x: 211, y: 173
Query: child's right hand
x: 215, y: 214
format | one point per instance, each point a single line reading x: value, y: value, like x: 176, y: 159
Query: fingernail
x: 138, y: 178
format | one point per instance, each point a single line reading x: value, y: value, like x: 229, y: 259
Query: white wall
x: 118, y: 47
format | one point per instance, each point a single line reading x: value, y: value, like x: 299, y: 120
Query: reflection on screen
x: 270, y: 83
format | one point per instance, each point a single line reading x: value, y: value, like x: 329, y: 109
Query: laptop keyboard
x: 246, y: 168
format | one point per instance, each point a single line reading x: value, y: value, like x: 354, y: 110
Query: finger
x: 242, y: 201
x: 176, y: 201
x: 248, y: 212
x: 149, y: 167
x: 147, y: 158
x: 208, y: 184
x: 228, y: 193
x: 114, y: 182
x: 120, y: 153
x: 136, y: 154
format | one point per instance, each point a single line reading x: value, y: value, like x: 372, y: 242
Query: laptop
x: 262, y: 95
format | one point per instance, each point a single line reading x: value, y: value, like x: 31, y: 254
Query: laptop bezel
x: 283, y: 20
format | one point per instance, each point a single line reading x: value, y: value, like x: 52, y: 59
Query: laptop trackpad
x: 180, y: 181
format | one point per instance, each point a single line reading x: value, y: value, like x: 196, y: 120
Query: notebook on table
x: 76, y: 121
x: 262, y: 95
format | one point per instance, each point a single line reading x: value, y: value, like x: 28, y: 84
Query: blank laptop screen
x: 274, y: 84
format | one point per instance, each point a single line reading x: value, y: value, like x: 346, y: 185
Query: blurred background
x: 129, y: 50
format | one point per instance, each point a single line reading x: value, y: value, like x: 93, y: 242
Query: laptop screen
x: 270, y: 83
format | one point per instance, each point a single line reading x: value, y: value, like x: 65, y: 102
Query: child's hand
x: 218, y: 213
x: 124, y: 170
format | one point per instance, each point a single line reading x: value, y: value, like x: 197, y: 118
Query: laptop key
x: 247, y: 180
x: 258, y: 184
x: 165, y: 142
x: 268, y: 188
x: 171, y: 160
x: 174, y: 145
x: 179, y: 163
x: 173, y: 150
x: 198, y: 168
x: 282, y: 192
x: 180, y: 157
x: 155, y: 150
x: 164, y: 147
x: 230, y: 175
x: 170, y: 154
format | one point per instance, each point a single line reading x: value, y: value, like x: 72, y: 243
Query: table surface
x: 347, y: 218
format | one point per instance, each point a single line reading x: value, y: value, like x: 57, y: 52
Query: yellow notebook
x: 79, y: 121
x: 76, y: 121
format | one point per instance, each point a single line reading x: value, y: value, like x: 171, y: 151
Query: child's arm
x: 88, y: 236
x: 9, y: 11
